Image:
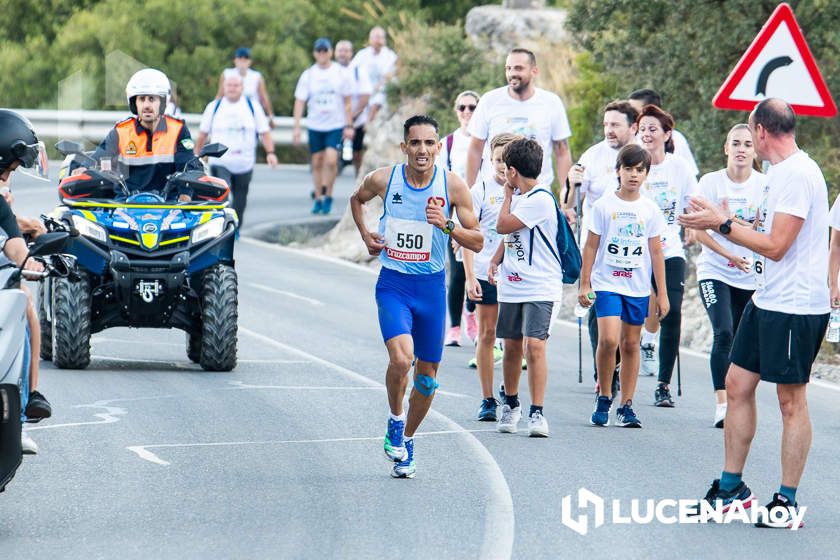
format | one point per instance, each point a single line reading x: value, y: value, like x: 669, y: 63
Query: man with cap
x: 325, y: 89
x: 253, y: 83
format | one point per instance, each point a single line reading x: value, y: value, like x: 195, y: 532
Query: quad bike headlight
x: 89, y: 229
x: 210, y: 230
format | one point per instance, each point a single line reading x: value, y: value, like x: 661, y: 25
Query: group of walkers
x: 762, y: 270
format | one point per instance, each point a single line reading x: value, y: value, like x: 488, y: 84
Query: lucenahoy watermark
x: 670, y: 511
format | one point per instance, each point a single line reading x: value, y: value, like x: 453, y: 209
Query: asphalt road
x: 148, y: 456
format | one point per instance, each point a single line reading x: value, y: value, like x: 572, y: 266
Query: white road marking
x: 499, y: 518
x: 243, y: 385
x: 292, y: 295
x: 308, y: 254
x: 143, y: 452
x: 190, y: 365
x: 110, y: 416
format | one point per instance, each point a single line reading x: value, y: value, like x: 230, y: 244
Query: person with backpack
x: 235, y: 121
x: 453, y: 156
x: 532, y: 266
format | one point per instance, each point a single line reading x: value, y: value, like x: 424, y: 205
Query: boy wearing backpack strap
x: 530, y: 281
x: 622, y: 247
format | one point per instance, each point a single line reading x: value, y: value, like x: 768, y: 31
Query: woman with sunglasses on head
x: 670, y: 184
x: 453, y: 156
x: 724, y: 269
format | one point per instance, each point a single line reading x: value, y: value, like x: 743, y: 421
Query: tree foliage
x: 192, y: 41
x: 438, y: 62
x: 685, y: 49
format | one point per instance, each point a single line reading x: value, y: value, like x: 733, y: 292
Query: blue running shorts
x: 413, y: 304
x: 632, y: 310
x: 320, y: 140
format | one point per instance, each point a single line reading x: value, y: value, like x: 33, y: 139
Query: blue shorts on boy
x: 632, y: 310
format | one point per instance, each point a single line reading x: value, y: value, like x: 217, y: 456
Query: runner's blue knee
x: 425, y: 385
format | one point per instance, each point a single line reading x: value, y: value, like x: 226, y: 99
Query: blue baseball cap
x: 242, y: 52
x: 322, y: 43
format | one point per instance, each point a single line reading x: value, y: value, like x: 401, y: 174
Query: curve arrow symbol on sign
x: 764, y: 75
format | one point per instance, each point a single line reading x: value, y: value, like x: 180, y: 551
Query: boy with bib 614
x: 622, y: 247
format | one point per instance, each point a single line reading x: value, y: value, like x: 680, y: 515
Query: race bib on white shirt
x: 626, y: 245
x: 408, y: 240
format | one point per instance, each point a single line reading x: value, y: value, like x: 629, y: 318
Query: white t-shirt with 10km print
x: 623, y: 261
x: 670, y: 185
x: 541, y: 117
x: 487, y: 196
x: 742, y: 199
x: 530, y: 270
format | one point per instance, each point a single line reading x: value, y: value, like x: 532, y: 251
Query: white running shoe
x: 28, y: 444
x: 720, y: 414
x: 650, y: 360
x: 537, y: 425
x: 509, y: 419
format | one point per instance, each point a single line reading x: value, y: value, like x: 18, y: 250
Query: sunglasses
x: 462, y: 108
x: 322, y: 49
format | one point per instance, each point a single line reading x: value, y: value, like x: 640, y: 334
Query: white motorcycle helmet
x: 148, y: 81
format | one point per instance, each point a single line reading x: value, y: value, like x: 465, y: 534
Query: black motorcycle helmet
x: 18, y: 142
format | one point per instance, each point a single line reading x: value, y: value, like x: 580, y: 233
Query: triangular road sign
x: 778, y: 63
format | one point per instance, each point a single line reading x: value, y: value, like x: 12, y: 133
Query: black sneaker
x: 741, y: 492
x: 487, y: 412
x: 502, y: 393
x: 662, y: 397
x: 37, y: 408
x: 782, y: 517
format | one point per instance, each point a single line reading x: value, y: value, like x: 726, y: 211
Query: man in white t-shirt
x: 326, y: 90
x: 782, y: 327
x: 642, y: 97
x: 521, y: 108
x: 530, y: 281
x: 235, y: 121
x: 253, y: 83
x: 381, y: 65
x: 362, y: 91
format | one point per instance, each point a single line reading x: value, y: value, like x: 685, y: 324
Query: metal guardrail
x: 94, y: 125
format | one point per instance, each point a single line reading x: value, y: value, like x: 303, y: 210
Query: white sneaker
x: 28, y: 444
x: 720, y: 414
x: 650, y: 360
x: 509, y: 419
x: 537, y: 425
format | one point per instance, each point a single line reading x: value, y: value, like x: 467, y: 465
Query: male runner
x: 415, y: 227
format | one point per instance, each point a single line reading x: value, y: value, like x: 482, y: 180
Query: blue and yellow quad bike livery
x: 143, y: 260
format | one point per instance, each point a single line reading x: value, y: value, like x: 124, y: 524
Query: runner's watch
x: 726, y: 227
x: 450, y: 225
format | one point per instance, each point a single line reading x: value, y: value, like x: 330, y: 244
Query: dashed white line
x: 143, y: 452
x: 292, y: 295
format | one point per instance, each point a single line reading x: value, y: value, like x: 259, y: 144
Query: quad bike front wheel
x: 219, y: 318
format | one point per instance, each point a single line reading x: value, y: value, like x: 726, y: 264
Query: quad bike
x: 143, y: 260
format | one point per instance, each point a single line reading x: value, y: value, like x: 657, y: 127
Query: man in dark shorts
x: 782, y: 327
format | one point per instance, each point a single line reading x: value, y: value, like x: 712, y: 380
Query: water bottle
x: 347, y: 150
x: 833, y: 334
x: 581, y: 311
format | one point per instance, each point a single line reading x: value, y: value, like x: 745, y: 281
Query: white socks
x: 649, y: 337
